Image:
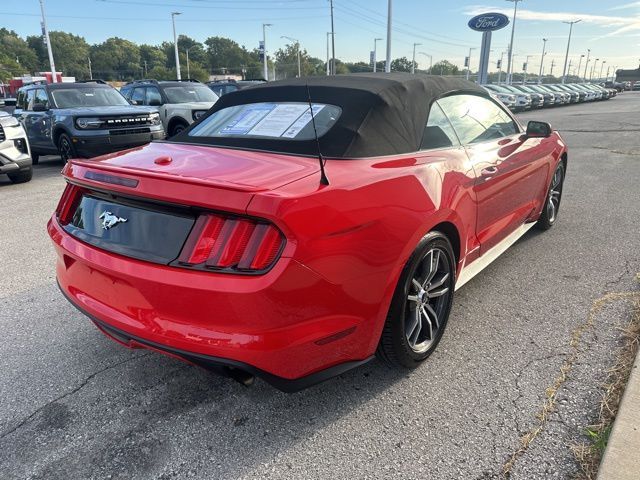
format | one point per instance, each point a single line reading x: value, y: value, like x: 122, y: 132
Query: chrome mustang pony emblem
x: 109, y: 220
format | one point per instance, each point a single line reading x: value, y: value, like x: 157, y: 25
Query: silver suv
x: 15, y: 155
x: 180, y: 102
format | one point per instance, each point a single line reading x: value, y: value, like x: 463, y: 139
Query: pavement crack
x: 28, y: 418
x: 551, y: 392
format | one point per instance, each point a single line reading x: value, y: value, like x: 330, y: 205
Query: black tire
x: 396, y: 346
x: 35, y: 158
x: 22, y: 176
x: 66, y: 150
x: 551, y: 206
x: 177, y: 128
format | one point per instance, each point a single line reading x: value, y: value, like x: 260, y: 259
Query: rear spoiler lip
x: 131, y: 171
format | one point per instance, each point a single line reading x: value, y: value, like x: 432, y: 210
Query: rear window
x: 281, y: 120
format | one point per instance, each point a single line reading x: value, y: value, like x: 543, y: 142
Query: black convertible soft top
x: 382, y: 113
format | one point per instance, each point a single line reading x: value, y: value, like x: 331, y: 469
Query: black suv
x: 83, y: 119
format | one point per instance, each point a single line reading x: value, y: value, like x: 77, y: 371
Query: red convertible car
x: 302, y: 226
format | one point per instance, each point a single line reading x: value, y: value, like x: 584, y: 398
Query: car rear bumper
x: 287, y: 326
x: 94, y: 145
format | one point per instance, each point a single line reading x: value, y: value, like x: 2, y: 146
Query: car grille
x: 125, y: 121
x: 130, y: 131
x: 2, y: 135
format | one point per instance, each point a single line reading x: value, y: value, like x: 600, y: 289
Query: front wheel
x: 421, y: 304
x: 177, y: 128
x: 552, y: 203
x: 66, y: 148
x: 22, y: 176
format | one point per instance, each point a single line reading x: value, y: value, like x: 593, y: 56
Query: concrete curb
x: 621, y: 460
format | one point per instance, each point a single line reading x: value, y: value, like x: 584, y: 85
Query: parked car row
x: 524, y: 97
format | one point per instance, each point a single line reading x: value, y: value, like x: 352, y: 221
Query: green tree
x: 226, y: 56
x: 402, y: 64
x: 287, y: 62
x: 116, y: 59
x: 17, y: 53
x: 444, y: 67
x: 70, y: 52
x: 151, y: 57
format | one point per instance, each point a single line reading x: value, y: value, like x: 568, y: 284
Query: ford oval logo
x: 488, y: 22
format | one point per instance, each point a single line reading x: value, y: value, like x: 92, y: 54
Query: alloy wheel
x: 555, y: 192
x: 429, y: 294
x: 65, y: 149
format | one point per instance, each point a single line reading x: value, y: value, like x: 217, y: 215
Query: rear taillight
x: 231, y: 243
x: 68, y: 202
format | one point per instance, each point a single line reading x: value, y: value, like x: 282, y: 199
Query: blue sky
x: 610, y: 28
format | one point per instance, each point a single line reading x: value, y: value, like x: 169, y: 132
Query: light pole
x: 387, y: 65
x: 175, y: 43
x: 264, y: 47
x: 593, y: 69
x: 90, y: 74
x: 430, y: 60
x: 566, y: 55
x: 54, y: 78
x: 469, y: 63
x: 544, y: 47
x: 586, y: 64
x: 525, y: 67
x: 579, y: 64
x: 608, y: 70
x: 500, y: 68
x: 601, y: 68
x: 297, y: 42
x: 188, y: 68
x: 375, y: 53
x: 413, y: 62
x: 513, y: 29
x: 333, y: 44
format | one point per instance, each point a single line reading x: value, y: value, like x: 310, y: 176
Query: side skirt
x: 474, y: 268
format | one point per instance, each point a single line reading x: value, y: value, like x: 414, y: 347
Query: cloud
x: 620, y: 24
x: 626, y: 5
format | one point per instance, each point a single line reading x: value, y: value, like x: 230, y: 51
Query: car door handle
x: 489, y: 171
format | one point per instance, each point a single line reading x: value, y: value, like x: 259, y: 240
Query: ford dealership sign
x: 488, y: 22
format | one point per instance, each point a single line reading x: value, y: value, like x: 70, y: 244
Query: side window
x: 137, y: 97
x: 21, y: 100
x: 41, y: 98
x: 476, y: 119
x: 153, y: 96
x: 438, y: 133
x: 126, y: 92
x: 31, y: 95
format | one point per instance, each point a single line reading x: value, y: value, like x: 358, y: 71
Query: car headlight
x: 9, y: 121
x: 198, y: 114
x: 88, y: 122
x: 154, y: 118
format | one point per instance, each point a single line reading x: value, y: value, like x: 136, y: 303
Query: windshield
x: 87, y: 97
x: 282, y: 120
x: 189, y: 93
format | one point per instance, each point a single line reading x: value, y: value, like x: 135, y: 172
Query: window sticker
x: 302, y: 121
x: 278, y: 120
x: 248, y: 119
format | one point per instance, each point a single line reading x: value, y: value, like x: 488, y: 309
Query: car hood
x: 106, y: 111
x: 193, y: 105
x: 221, y: 167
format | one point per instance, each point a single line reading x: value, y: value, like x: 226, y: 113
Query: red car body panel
x: 326, y: 299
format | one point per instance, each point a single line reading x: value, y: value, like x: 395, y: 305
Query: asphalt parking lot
x: 74, y: 404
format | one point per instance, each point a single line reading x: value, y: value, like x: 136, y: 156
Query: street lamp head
x: 173, y: 14
x: 267, y: 24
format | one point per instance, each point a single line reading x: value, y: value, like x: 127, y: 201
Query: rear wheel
x: 22, y: 176
x: 421, y: 304
x: 177, y: 128
x: 552, y: 203
x: 66, y: 148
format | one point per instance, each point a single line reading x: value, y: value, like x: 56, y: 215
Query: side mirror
x: 538, y: 129
x: 135, y: 102
x: 40, y: 107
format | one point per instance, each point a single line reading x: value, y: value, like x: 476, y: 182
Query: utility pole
x: 469, y: 63
x: 553, y: 63
x: 430, y: 60
x: 91, y: 74
x: 593, y: 69
x: 387, y: 66
x: 188, y: 69
x: 579, y: 64
x: 608, y: 70
x: 500, y: 68
x: 175, y: 44
x: 513, y: 29
x: 566, y: 55
x: 413, y: 62
x: 375, y: 53
x: 265, y: 70
x: 54, y: 77
x: 544, y: 47
x: 328, y: 67
x: 333, y: 43
x: 297, y: 42
x: 569, y: 68
x: 601, y: 68
x: 586, y: 64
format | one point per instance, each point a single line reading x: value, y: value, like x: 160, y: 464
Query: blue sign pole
x: 487, y: 23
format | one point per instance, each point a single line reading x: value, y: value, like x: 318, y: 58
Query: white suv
x: 180, y: 102
x: 15, y: 155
